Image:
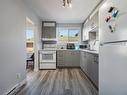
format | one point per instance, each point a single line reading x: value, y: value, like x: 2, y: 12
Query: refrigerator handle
x: 115, y: 43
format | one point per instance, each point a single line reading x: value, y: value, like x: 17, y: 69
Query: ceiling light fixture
x: 67, y: 3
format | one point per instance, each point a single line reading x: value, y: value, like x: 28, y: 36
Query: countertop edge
x: 84, y: 50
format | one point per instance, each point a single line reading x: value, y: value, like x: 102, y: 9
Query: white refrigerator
x: 113, y: 48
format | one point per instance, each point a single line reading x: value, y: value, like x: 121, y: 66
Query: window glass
x: 68, y: 35
x: 29, y: 35
x: 63, y: 35
x: 73, y: 35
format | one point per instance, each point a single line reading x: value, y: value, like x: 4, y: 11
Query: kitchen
x: 78, y: 47
x: 67, y: 52
x: 85, y: 53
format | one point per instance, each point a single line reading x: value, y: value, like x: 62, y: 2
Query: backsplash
x: 64, y: 45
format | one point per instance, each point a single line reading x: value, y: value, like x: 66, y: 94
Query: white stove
x: 47, y: 57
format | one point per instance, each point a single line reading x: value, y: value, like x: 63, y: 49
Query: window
x: 73, y: 35
x: 29, y: 35
x: 68, y: 35
x: 63, y: 35
x: 29, y: 40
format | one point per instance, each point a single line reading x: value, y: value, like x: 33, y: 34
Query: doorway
x: 30, y: 44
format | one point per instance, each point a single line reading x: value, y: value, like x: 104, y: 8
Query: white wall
x: 13, y: 14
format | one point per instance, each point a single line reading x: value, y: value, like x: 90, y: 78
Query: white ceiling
x: 53, y: 10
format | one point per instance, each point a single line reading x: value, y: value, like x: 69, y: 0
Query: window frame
x: 68, y: 28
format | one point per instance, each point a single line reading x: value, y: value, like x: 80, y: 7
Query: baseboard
x: 15, y: 88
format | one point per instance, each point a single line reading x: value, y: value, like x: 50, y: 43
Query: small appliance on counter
x: 70, y: 46
x: 84, y: 46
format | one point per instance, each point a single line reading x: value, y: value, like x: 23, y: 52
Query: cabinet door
x: 89, y: 65
x: 75, y: 58
x: 67, y: 57
x: 72, y: 58
x: 84, y: 61
x: 60, y: 58
x: 81, y: 59
x: 95, y: 70
x: 92, y: 67
x: 94, y: 21
x: 48, y: 32
x: 48, y: 29
x: 86, y: 29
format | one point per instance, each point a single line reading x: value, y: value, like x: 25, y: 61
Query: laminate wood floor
x: 58, y: 82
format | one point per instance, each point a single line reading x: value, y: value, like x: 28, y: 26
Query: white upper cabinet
x: 86, y: 31
x: 94, y: 21
x: 91, y: 25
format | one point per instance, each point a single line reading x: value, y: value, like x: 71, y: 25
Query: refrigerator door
x: 119, y: 23
x: 113, y: 69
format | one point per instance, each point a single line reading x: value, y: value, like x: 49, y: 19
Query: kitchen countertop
x: 85, y: 50
x: 69, y: 49
x: 90, y: 51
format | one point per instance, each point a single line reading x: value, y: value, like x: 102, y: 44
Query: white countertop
x: 90, y: 51
x: 85, y: 50
x: 69, y: 49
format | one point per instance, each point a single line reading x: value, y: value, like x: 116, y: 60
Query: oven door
x: 47, y: 56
